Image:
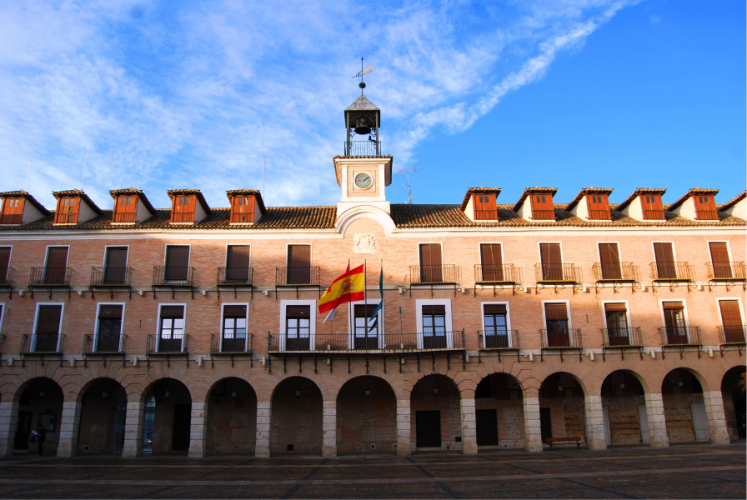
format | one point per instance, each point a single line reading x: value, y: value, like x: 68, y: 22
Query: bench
x: 571, y: 439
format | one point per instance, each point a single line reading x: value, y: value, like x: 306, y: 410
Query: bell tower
x: 363, y: 171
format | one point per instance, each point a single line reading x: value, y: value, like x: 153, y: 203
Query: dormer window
x: 542, y: 207
x: 126, y: 209
x: 485, y: 208
x: 12, y: 211
x: 67, y: 210
x: 705, y: 207
x: 599, y: 207
x: 242, y: 209
x: 184, y: 209
x: 652, y: 207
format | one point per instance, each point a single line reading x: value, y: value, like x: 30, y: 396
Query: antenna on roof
x: 264, y: 162
x: 28, y: 176
x: 407, y: 172
x: 83, y: 180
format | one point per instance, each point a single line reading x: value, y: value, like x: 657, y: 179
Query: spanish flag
x: 347, y: 288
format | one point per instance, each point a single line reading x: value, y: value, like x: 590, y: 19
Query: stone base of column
x: 133, y: 442
x: 532, y: 427
x: 264, y: 413
x: 8, y: 422
x: 657, y: 422
x: 198, y: 431
x: 469, y: 427
x: 329, y: 428
x: 329, y: 451
x: 404, y: 445
x: 717, y: 430
x: 69, y: 426
x: 595, y: 432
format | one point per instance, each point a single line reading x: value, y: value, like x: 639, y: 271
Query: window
x: 552, y: 263
x: 491, y: 261
x: 434, y: 327
x: 237, y: 264
x: 485, y: 208
x: 674, y: 322
x: 67, y: 211
x: 177, y: 264
x: 705, y: 208
x: 665, y: 265
x: 731, y: 317
x: 47, y: 335
x: 542, y: 207
x: 609, y: 254
x: 127, y: 209
x: 115, y: 269
x: 556, y: 320
x: 184, y: 209
x: 652, y: 207
x: 171, y: 330
x: 5, y: 264
x: 720, y: 259
x: 234, y: 333
x: 496, y: 326
x: 12, y: 213
x: 110, y: 328
x: 431, y: 269
x: 299, y: 265
x: 599, y: 208
x: 616, y: 315
x: 297, y: 328
x: 366, y: 334
x: 55, y: 272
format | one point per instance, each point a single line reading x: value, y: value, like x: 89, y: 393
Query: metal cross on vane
x: 361, y: 73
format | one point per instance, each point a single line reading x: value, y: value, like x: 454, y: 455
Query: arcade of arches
x: 459, y: 411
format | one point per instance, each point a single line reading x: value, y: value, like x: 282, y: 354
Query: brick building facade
x: 195, y: 329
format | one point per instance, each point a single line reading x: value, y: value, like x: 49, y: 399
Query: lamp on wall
x: 435, y: 388
x: 104, y: 394
x: 233, y: 392
x: 622, y: 382
x: 368, y: 391
x: 42, y: 392
x: 298, y: 392
x: 560, y: 386
x: 167, y: 392
x: 680, y: 382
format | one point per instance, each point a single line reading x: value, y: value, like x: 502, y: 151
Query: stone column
x: 8, y: 422
x: 133, y: 442
x: 329, y: 429
x: 657, y: 422
x: 264, y: 419
x: 469, y: 426
x: 714, y: 405
x: 198, y: 430
x: 595, y: 432
x: 404, y: 447
x: 532, y: 426
x: 69, y: 427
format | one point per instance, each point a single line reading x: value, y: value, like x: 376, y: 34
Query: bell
x: 362, y: 127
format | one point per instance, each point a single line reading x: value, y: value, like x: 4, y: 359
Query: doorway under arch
x: 499, y: 412
x: 102, y: 417
x: 296, y: 417
x: 684, y: 407
x: 624, y: 407
x: 733, y: 394
x: 435, y: 414
x: 167, y: 418
x: 366, y: 416
x: 232, y: 418
x: 39, y: 403
x: 562, y: 408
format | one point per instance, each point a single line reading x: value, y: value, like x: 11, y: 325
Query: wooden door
x: 556, y: 316
x: 542, y: 207
x: 115, y: 272
x: 56, y: 269
x: 182, y: 425
x: 652, y: 207
x: 665, y: 265
x: 177, y: 264
x: 720, y: 259
x: 599, y: 208
x: 431, y: 270
x: 47, y: 328
x: 67, y: 211
x: 183, y: 209
x: 126, y: 209
x: 297, y: 328
x: 234, y: 329
x: 545, y: 424
x: 242, y: 209
x: 237, y: 264
x: 4, y: 264
x: 23, y: 431
x: 674, y: 322
x: 485, y: 208
x: 552, y: 262
x: 617, y: 323
x: 491, y: 262
x: 299, y: 265
x: 428, y: 429
x: 496, y: 332
x: 110, y: 328
x: 731, y: 317
x: 434, y: 327
x: 487, y: 427
x: 171, y: 329
x: 12, y: 210
x: 609, y: 255
x: 705, y: 207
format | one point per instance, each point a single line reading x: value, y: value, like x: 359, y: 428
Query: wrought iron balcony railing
x: 111, y: 276
x: 624, y: 271
x: 680, y: 335
x: 11, y: 219
x: 498, y: 338
x: 173, y: 275
x: 176, y: 344
x: 621, y: 337
x: 653, y: 214
x: 348, y: 342
x: 446, y: 273
x: 504, y: 273
x: 559, y: 339
x: 235, y: 276
x: 558, y: 272
x: 105, y: 344
x: 672, y: 271
x: 307, y: 275
x: 726, y: 271
x: 6, y: 276
x: 732, y: 334
x: 42, y: 343
x: 362, y: 148
x: 236, y: 343
x: 50, y: 276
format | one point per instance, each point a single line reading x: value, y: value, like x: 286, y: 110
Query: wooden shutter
x: 4, y: 263
x: 298, y: 312
x: 485, y: 208
x: 492, y: 262
x: 112, y: 312
x: 299, y: 264
x: 238, y: 257
x: 234, y: 311
x: 174, y: 312
x: 48, y: 322
x: 665, y: 260
x: 495, y: 309
x: 56, y: 271
x: 615, y: 307
x: 177, y: 263
x: 599, y: 207
x: 242, y: 209
x: 672, y: 305
x: 730, y: 313
x: 430, y: 263
x: 720, y: 259
x: 556, y: 312
x: 116, y: 257
x: 610, y: 257
x: 542, y: 206
x: 552, y: 264
x: 437, y: 310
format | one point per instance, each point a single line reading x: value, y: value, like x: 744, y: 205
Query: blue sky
x: 569, y: 94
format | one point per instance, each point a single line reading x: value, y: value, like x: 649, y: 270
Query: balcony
x: 732, y: 336
x: 496, y: 276
x: 11, y: 219
x: 111, y: 279
x: 348, y: 343
x: 673, y: 272
x: 498, y: 339
x: 50, y: 279
x: 543, y: 214
x: 173, y: 278
x: 176, y: 346
x: 653, y: 214
x: 621, y: 339
x: 104, y: 345
x: 235, y: 277
x: 680, y: 337
x: 616, y: 274
x: 298, y: 277
x: 362, y: 148
x: 124, y: 218
x: 557, y: 276
x: 726, y: 274
x: 6, y: 280
x: 561, y: 341
x: 431, y: 276
x: 232, y: 345
x: 701, y: 214
x: 486, y: 214
x: 41, y: 345
x: 2, y: 341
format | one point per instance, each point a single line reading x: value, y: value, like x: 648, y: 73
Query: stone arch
x: 365, y: 212
x: 366, y: 416
x: 499, y: 412
x: 733, y: 395
x: 624, y: 408
x: 103, y: 408
x: 682, y: 391
x: 167, y: 417
x: 231, y: 417
x: 296, y: 422
x: 645, y: 384
x: 435, y: 413
x: 39, y: 402
x: 562, y: 397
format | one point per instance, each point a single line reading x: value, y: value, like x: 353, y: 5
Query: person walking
x: 41, y: 436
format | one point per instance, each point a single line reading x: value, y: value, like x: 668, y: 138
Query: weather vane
x: 362, y: 85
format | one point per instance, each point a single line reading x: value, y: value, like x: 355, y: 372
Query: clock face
x: 363, y: 181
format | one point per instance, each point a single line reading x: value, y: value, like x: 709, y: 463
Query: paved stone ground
x: 676, y: 472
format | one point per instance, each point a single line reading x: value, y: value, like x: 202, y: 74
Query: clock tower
x: 363, y: 171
